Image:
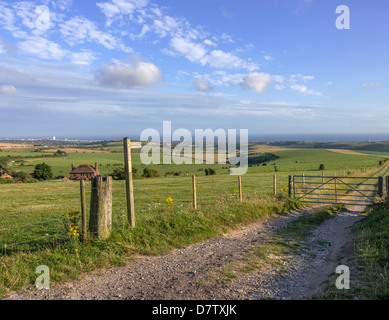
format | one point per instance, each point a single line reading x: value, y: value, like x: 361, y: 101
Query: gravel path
x: 181, y: 274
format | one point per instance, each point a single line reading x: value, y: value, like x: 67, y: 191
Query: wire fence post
x: 100, y: 221
x: 129, y: 182
x: 240, y: 189
x: 387, y: 186
x: 194, y: 193
x: 275, y: 185
x: 290, y: 186
x: 380, y: 186
x: 83, y: 211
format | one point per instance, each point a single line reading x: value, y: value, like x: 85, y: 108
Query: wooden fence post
x: 129, y: 182
x: 100, y: 220
x: 290, y: 186
x: 303, y: 180
x: 322, y: 177
x: 240, y: 189
x: 83, y: 211
x: 194, y: 193
x: 387, y: 186
x: 275, y: 185
x: 380, y: 186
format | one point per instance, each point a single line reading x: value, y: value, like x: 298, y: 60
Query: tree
x: 322, y: 167
x: 120, y: 174
x: 42, y: 172
x: 60, y: 153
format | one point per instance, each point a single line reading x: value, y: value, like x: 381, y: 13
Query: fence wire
x: 32, y: 220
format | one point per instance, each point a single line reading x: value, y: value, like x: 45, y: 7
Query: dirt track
x: 182, y: 274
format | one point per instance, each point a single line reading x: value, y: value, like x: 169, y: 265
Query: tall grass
x: 373, y: 250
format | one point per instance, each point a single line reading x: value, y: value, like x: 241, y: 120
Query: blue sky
x: 112, y: 68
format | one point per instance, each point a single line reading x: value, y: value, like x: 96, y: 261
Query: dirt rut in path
x: 183, y: 273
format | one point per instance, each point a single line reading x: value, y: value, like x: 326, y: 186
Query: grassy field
x: 303, y: 160
x: 34, y: 223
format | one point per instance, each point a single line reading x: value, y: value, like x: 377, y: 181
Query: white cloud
x: 297, y: 84
x: 197, y: 52
x: 226, y: 60
x: 256, y: 81
x: 226, y: 38
x: 63, y: 5
x: 26, y: 12
x: 268, y: 58
x: 194, y: 52
x: 119, y: 75
x: 8, y: 21
x: 8, y: 89
x: 82, y: 58
x: 42, y: 48
x: 202, y: 85
x: 370, y: 85
x: 210, y: 43
x: 116, y: 9
x: 80, y: 29
x: 304, y: 90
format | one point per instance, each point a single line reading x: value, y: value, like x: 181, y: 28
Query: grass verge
x: 373, y: 251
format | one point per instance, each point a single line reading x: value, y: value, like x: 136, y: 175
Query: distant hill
x: 359, y: 146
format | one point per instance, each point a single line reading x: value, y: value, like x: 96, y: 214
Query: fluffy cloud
x: 256, y: 81
x: 202, y: 85
x: 119, y: 75
x: 8, y: 89
x: 192, y: 51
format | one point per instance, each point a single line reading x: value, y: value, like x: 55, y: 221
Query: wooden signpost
x: 129, y: 182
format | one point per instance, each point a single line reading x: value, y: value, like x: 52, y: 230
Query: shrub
x: 322, y: 167
x: 210, y: 172
x: 120, y: 174
x: 150, y: 173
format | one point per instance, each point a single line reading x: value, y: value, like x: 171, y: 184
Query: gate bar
x: 363, y: 178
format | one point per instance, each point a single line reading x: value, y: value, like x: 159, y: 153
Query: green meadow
x: 34, y: 218
x: 293, y: 160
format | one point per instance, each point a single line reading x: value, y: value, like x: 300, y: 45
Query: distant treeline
x: 262, y: 158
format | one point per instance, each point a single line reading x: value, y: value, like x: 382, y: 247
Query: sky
x: 113, y: 68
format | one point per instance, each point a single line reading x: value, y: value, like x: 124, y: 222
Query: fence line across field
x: 120, y: 202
